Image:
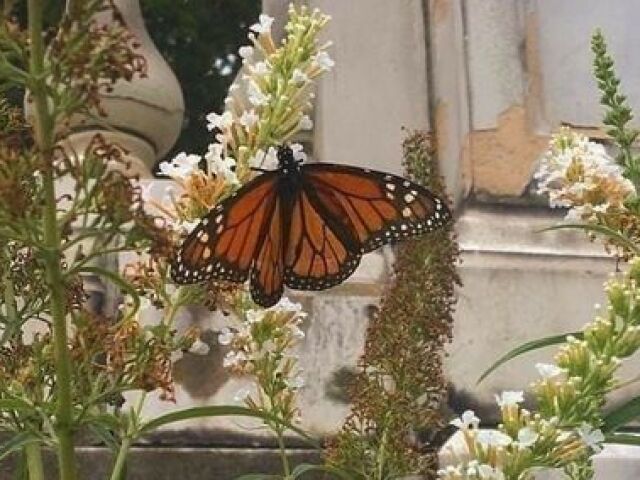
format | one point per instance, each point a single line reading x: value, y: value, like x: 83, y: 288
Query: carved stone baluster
x: 144, y: 117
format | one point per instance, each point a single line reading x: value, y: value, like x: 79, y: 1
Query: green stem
x: 121, y: 459
x: 33, y: 453
x: 381, y: 453
x: 173, y: 309
x: 127, y: 441
x: 44, y: 135
x: 11, y: 310
x: 273, y: 409
x: 286, y: 469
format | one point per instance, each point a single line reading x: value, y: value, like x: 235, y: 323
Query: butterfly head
x: 287, y: 161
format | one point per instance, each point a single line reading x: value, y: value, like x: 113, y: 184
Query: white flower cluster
x: 487, y: 452
x: 579, y: 174
x: 268, y: 103
x: 266, y: 337
x: 181, y: 166
x: 473, y: 469
x: 270, y: 96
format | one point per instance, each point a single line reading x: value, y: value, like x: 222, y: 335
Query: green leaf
x: 16, y: 442
x: 10, y: 404
x: 623, y: 438
x: 106, y: 436
x: 622, y: 415
x: 105, y: 420
x: 606, y: 231
x: 528, y: 347
x: 306, y: 467
x: 220, y: 411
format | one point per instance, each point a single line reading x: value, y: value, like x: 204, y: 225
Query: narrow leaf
x: 622, y: 415
x: 106, y: 436
x: 606, y: 231
x: 9, y: 404
x: 623, y: 438
x: 106, y: 420
x: 220, y: 411
x: 16, y: 442
x: 306, y: 467
x: 528, y: 347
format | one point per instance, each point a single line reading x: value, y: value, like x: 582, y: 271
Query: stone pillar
x: 528, y: 69
x: 143, y: 116
x: 379, y: 84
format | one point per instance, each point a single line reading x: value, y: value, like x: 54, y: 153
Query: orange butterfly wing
x: 320, y: 253
x: 225, y: 243
x: 307, y: 230
x: 267, y: 276
x: 377, y: 207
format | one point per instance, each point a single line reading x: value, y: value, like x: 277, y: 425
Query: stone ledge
x: 509, y: 229
x: 519, y: 285
x: 153, y: 463
x: 616, y: 462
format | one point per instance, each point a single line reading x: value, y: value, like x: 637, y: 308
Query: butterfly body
x: 305, y: 226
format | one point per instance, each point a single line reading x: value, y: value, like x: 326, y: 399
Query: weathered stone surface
x: 152, y: 107
x: 519, y: 285
x: 529, y: 69
x: 449, y: 94
x: 496, y: 71
x: 505, y: 158
x: 380, y: 86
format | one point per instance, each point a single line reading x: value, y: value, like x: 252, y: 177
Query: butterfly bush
x: 580, y: 175
x: 570, y: 394
x: 261, y: 345
x: 569, y: 425
x: 396, y: 392
x: 66, y: 357
x: 269, y: 102
x: 267, y: 105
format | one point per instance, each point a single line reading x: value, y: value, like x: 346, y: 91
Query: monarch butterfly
x: 304, y: 226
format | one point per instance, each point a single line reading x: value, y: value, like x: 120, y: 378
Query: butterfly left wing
x: 225, y: 242
x: 267, y: 276
x: 379, y: 208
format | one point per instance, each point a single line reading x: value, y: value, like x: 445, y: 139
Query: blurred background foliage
x: 200, y: 40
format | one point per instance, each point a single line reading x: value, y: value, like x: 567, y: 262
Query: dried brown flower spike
x: 400, y: 387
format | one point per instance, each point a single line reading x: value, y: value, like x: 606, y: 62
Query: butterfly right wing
x: 224, y: 244
x: 320, y: 253
x: 378, y: 207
